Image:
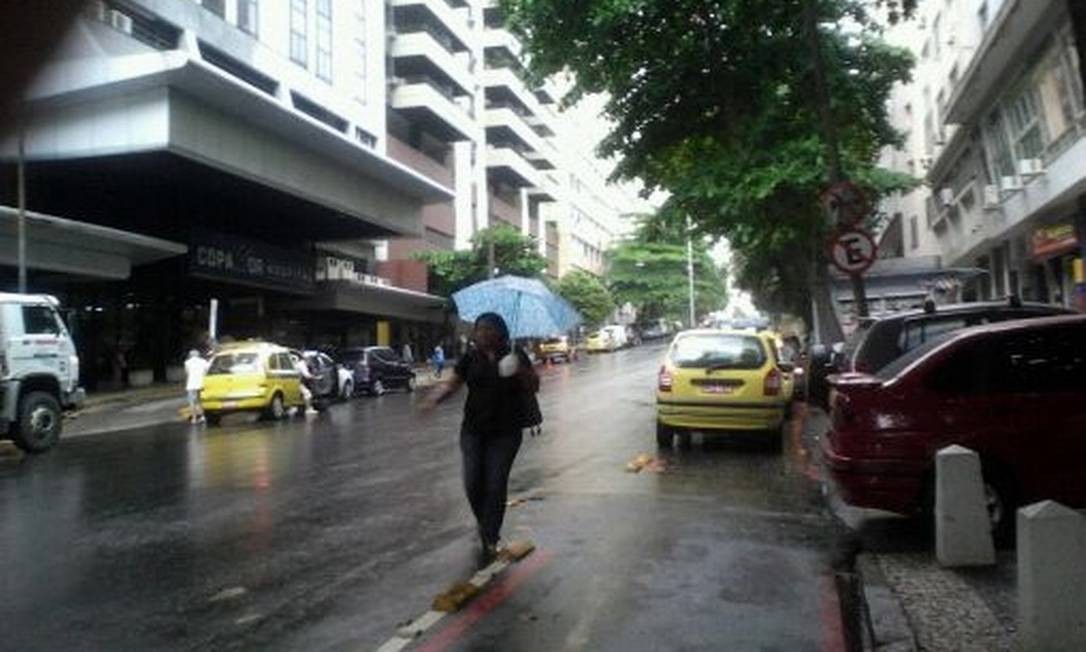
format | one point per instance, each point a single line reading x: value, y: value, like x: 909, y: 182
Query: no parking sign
x: 853, y: 251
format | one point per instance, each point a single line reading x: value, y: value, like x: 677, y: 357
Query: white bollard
x: 963, y: 533
x: 1051, y: 578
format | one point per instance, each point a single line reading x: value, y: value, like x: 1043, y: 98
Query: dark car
x: 377, y: 369
x: 1013, y: 392
x: 878, y: 341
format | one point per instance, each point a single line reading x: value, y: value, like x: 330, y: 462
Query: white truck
x: 39, y: 371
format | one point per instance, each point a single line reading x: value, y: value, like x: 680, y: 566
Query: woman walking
x: 493, y: 421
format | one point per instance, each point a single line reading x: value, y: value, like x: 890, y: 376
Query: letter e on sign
x: 853, y: 251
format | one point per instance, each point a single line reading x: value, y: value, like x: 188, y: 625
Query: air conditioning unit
x: 1009, y: 184
x: 120, y: 21
x: 946, y: 197
x: 992, y: 198
x: 1031, y: 167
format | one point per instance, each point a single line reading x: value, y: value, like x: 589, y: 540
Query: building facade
x: 286, y: 158
x: 995, y: 127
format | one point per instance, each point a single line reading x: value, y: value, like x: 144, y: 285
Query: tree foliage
x: 649, y: 271
x: 588, y: 295
x: 713, y: 101
x: 514, y: 253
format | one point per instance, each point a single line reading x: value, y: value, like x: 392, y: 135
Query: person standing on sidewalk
x: 491, y: 433
x: 439, y: 361
x: 195, y: 371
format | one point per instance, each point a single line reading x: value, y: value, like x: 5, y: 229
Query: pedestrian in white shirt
x: 195, y: 370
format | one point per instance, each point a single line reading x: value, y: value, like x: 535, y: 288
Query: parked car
x: 721, y: 380
x: 556, y: 348
x: 1011, y: 391
x: 608, y: 338
x: 251, y: 377
x: 878, y: 341
x: 376, y: 369
x: 40, y: 378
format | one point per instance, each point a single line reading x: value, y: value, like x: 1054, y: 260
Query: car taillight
x: 665, y: 380
x: 772, y: 385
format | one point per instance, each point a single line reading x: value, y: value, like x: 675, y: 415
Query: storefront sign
x: 332, y: 268
x: 1054, y: 240
x: 230, y: 258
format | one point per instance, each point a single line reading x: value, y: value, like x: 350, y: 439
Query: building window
x: 1023, y: 118
x: 982, y: 15
x: 914, y: 233
x: 217, y: 7
x: 299, y: 24
x: 937, y: 36
x: 997, y: 146
x: 324, y: 39
x: 360, y: 75
x: 247, y: 16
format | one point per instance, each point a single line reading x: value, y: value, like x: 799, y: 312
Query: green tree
x: 714, y: 102
x: 649, y: 271
x: 588, y: 295
x: 514, y: 253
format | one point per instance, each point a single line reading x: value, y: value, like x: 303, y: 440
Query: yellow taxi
x: 598, y: 341
x: 556, y: 347
x: 721, y: 380
x: 251, y: 377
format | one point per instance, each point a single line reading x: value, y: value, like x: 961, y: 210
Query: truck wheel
x: 39, y: 424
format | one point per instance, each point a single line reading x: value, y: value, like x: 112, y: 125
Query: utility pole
x: 690, y: 271
x: 837, y: 175
x: 21, y: 201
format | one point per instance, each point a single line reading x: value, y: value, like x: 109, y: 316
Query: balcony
x: 508, y: 165
x: 1018, y: 25
x: 502, y: 39
x: 453, y: 19
x: 504, y: 211
x: 417, y: 50
x: 505, y: 122
x: 503, y: 84
x: 422, y: 99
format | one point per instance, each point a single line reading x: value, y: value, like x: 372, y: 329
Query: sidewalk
x: 910, y: 602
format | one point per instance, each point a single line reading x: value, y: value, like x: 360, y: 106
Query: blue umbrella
x: 527, y: 305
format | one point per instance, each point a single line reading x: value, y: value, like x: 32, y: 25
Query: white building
x: 995, y: 123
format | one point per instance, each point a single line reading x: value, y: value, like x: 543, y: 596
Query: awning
x: 376, y: 300
x: 58, y: 244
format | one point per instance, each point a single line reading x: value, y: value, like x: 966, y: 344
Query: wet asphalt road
x: 327, y: 533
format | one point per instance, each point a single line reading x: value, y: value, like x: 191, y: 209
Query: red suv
x: 1015, y: 392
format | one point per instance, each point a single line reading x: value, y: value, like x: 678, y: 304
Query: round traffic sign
x: 853, y: 251
x: 846, y: 203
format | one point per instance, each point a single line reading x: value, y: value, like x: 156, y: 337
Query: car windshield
x: 234, y: 363
x: 718, y: 351
x: 554, y: 340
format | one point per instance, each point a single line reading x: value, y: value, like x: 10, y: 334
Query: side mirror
x: 820, y: 354
x: 786, y: 367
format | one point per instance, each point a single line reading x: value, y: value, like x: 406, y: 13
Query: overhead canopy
x: 62, y: 245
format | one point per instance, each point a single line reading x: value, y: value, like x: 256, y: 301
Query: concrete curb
x: 884, y: 623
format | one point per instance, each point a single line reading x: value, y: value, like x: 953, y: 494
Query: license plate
x: 718, y: 389
x: 229, y: 404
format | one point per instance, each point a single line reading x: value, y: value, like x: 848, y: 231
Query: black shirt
x: 493, y: 405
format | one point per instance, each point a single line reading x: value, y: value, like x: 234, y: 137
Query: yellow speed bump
x: 516, y: 550
x: 455, y: 597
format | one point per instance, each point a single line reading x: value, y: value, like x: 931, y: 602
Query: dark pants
x: 487, y: 462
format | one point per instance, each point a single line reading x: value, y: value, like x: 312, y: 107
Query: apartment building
x: 464, y: 109
x: 995, y: 125
x: 286, y: 158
